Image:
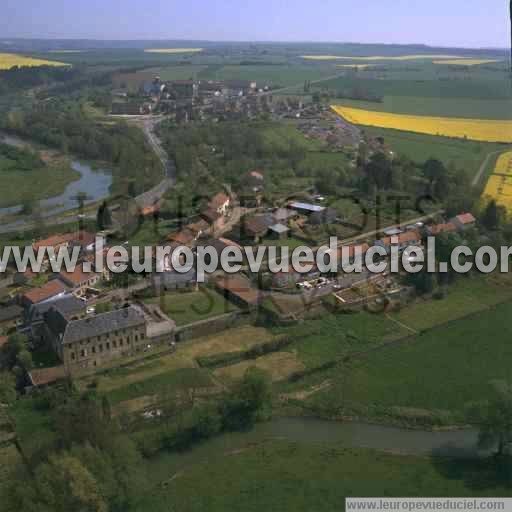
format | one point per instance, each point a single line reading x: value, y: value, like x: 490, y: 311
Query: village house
x: 352, y: 252
x: 326, y: 216
x: 49, y: 291
x: 239, y: 290
x: 437, y: 229
x: 220, y: 203
x: 71, y: 308
x: 172, y: 280
x: 402, y: 240
x: 185, y: 238
x: 306, y: 208
x: 78, y: 280
x: 44, y: 377
x: 257, y: 227
x: 284, y: 215
x: 279, y: 231
x: 215, y: 220
x: 199, y: 228
x: 463, y: 221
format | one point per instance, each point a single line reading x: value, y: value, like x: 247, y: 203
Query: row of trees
x: 65, y: 124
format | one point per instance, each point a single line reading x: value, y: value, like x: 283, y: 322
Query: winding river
x: 458, y: 443
x: 95, y: 183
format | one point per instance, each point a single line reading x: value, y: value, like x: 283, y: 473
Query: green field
x: 465, y: 155
x: 274, y: 75
x: 281, y: 475
x: 33, y: 185
x: 444, y: 369
x: 186, y: 308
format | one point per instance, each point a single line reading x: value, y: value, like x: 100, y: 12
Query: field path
x: 483, y: 167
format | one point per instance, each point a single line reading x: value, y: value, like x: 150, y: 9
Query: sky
x: 463, y: 23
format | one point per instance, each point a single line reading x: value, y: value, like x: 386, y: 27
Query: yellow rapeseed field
x: 381, y: 57
x: 465, y: 62
x: 499, y: 186
x: 9, y: 60
x: 485, y: 130
x: 173, y: 50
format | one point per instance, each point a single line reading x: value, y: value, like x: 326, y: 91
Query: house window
x: 136, y: 338
x: 115, y: 344
x: 142, y: 336
x: 108, y: 346
x: 121, y: 342
x: 101, y: 347
x: 82, y: 353
x: 94, y: 350
x: 73, y: 356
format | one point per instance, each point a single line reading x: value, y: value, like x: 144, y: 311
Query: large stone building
x: 87, y: 344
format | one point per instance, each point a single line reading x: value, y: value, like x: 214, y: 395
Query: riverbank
x: 303, y: 465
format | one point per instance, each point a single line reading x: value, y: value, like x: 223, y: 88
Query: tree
x: 15, y: 344
x: 491, y: 216
x: 103, y: 217
x: 60, y: 485
x: 249, y: 401
x: 7, y: 388
x: 495, y: 419
x: 434, y: 169
x: 379, y: 171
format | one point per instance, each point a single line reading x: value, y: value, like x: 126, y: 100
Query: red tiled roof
x: 256, y: 173
x: 352, y: 249
x: 183, y: 237
x: 77, y: 277
x: 150, y: 210
x: 47, y: 291
x: 466, y: 218
x: 54, y: 241
x: 256, y: 225
x: 197, y: 227
x: 436, y: 229
x: 230, y: 243
x: 240, y: 287
x: 408, y: 236
x: 45, y: 376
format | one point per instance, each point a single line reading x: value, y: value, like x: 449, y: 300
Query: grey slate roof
x: 68, y: 305
x: 98, y: 325
x: 279, y: 228
x: 173, y: 278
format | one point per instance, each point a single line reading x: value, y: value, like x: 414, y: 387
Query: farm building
x: 403, y: 240
x: 78, y: 280
x: 279, y: 230
x: 239, y: 290
x: 51, y: 290
x: 306, y: 208
x: 463, y: 221
x: 257, y: 227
